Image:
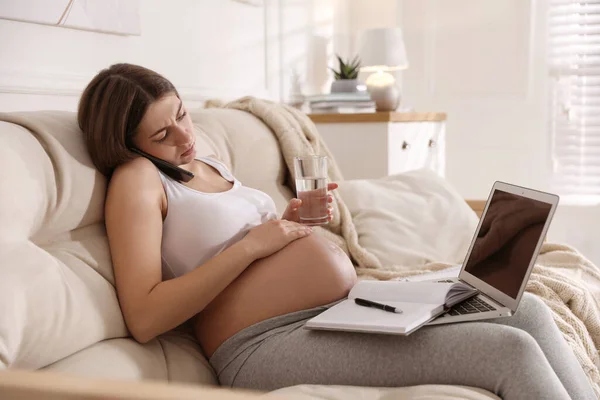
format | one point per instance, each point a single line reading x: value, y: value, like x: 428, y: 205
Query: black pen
x: 384, y: 307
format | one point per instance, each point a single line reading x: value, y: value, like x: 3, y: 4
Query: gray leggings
x: 519, y: 357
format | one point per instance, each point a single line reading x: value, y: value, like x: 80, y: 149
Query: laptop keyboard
x: 470, y: 306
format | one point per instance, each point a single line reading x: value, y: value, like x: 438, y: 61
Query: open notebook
x: 420, y: 302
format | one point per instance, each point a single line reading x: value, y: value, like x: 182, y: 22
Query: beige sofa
x: 58, y: 307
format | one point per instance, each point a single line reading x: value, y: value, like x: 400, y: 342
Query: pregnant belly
x: 307, y: 273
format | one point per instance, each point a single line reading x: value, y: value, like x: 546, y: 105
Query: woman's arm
x: 134, y: 227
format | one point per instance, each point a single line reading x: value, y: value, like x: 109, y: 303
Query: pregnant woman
x: 213, y: 251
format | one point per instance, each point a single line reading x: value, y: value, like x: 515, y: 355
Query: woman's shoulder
x: 134, y: 168
x: 136, y: 176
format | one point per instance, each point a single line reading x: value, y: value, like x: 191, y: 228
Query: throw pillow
x: 412, y: 218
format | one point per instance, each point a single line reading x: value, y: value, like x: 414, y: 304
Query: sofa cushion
x: 56, y: 280
x: 410, y: 219
x: 55, y: 267
x: 174, y: 357
x: 57, y: 293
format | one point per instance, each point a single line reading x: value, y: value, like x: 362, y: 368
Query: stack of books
x: 358, y: 102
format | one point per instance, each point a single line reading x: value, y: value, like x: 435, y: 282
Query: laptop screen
x: 507, y: 240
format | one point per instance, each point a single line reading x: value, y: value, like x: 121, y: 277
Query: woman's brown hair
x: 111, y: 108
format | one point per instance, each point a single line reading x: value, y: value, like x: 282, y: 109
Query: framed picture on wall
x: 121, y: 17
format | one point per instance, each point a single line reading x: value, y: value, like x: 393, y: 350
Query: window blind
x: 574, y: 67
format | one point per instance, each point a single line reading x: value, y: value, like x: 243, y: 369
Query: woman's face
x: 166, y: 131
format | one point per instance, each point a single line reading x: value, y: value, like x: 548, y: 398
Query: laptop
x: 502, y: 253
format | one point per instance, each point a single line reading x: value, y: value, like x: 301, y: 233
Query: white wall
x: 305, y: 30
x: 484, y: 63
x: 208, y: 48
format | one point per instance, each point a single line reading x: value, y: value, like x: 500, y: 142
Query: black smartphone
x: 179, y: 174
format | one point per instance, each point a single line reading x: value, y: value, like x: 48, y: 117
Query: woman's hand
x: 292, y: 213
x: 270, y: 237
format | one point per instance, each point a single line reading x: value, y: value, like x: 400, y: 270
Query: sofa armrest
x: 25, y: 385
x: 477, y: 205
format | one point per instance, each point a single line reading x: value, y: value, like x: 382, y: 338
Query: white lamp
x: 382, y: 50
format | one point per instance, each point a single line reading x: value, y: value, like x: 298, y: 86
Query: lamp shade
x: 382, y: 49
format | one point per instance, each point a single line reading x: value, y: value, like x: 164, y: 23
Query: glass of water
x: 311, y: 188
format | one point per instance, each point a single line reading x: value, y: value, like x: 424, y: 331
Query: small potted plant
x: 346, y: 77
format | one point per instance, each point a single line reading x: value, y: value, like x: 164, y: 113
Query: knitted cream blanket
x: 567, y: 282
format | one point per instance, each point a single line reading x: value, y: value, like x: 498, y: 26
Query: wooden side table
x: 373, y: 145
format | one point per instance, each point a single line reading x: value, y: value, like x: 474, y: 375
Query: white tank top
x: 199, y: 225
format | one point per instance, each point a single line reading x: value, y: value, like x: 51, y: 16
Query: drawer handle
x: 405, y: 145
x: 432, y: 143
